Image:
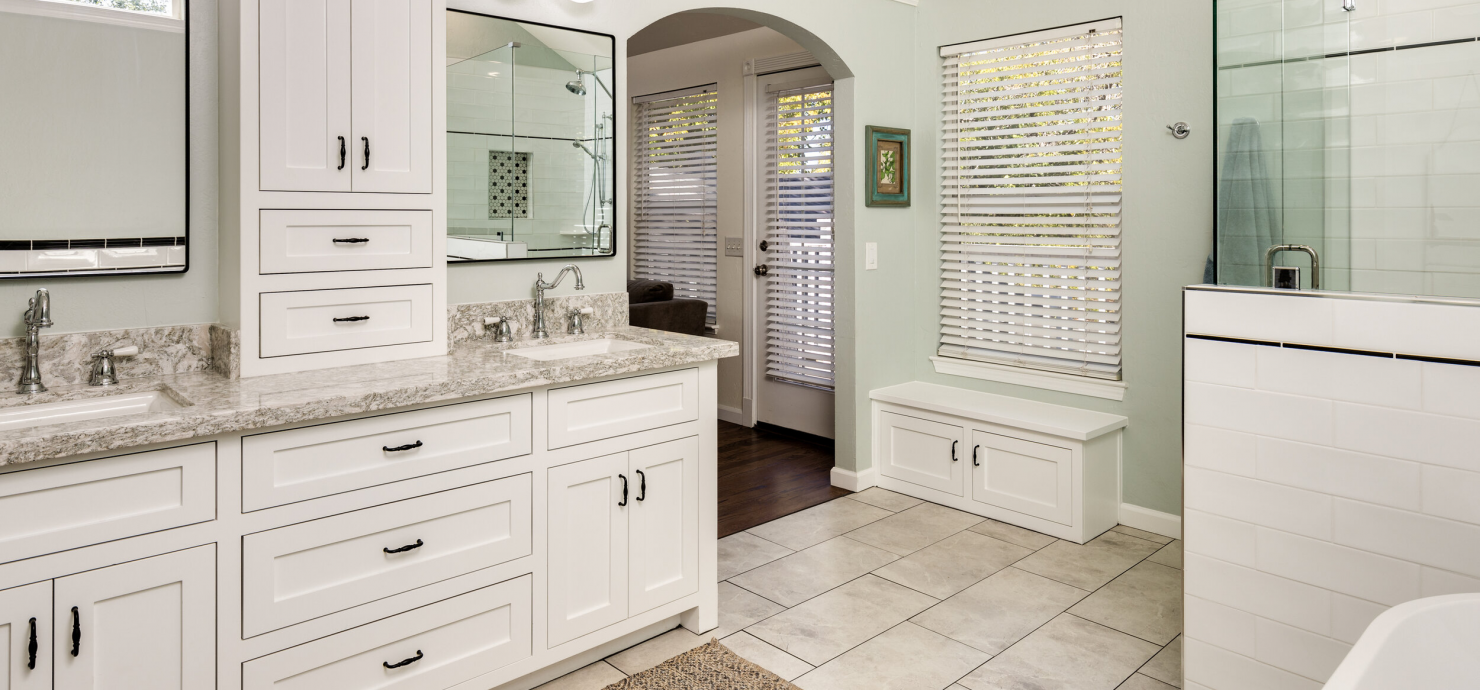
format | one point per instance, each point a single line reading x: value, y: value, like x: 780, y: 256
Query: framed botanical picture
x: 888, y: 166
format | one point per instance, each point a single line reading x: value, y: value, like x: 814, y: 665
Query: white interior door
x: 25, y: 625
x: 791, y: 320
x: 144, y: 624
x: 664, y: 523
x: 588, y: 507
x: 304, y: 88
x: 393, y: 96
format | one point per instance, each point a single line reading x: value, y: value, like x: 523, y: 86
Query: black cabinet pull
x: 404, y: 662
x: 350, y: 240
x: 398, y: 449
x: 76, y: 631
x: 974, y: 461
x: 32, y: 647
x: 953, y: 451
x: 352, y: 319
x: 366, y: 166
x: 641, y: 486
x: 409, y: 547
x: 343, y: 153
x: 623, y: 504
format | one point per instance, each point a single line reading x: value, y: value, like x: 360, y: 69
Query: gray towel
x: 1248, y: 215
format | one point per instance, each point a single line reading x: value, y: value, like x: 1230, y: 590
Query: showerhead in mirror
x: 582, y: 147
x: 577, y: 86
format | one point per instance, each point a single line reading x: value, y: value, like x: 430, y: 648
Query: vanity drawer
x: 300, y: 464
x: 452, y: 641
x: 301, y: 241
x: 303, y: 571
x: 297, y: 323
x: 594, y: 411
x: 62, y: 507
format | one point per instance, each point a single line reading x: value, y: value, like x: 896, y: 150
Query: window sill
x: 1032, y: 378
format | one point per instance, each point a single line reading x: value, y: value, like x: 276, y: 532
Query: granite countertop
x: 214, y: 404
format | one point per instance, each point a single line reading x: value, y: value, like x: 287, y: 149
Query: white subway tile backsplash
x: 1379, y: 431
x: 1227, y: 364
x: 1338, y: 568
x: 1294, y: 603
x: 1451, y: 389
x: 1277, y: 318
x: 1221, y: 669
x: 1451, y: 442
x: 1233, y: 452
x: 1313, y: 656
x: 1354, y: 378
x: 1372, y: 478
x: 1292, y: 417
x: 1350, y: 616
x: 1409, y: 536
x: 1221, y: 538
x: 1451, y: 493
x: 1220, y: 625
x: 1259, y: 502
x: 1438, y: 583
x: 1436, y: 330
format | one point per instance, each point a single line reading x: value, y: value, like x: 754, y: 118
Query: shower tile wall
x: 1321, y: 487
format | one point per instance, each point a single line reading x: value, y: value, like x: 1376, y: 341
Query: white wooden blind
x: 799, y: 235
x: 1030, y: 200
x: 674, y: 217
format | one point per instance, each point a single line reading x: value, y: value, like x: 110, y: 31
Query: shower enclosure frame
x: 616, y: 153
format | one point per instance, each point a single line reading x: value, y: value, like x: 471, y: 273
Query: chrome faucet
x: 540, y: 286
x: 38, y: 316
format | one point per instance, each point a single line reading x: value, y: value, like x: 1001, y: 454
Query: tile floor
x: 878, y: 590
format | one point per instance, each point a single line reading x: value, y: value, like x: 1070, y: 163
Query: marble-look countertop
x: 215, y: 404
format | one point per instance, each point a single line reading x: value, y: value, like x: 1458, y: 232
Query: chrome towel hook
x: 1180, y: 130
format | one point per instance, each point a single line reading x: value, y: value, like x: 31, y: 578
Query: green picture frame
x: 888, y: 167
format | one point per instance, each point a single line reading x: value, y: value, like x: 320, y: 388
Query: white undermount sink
x: 584, y: 348
x: 65, y: 411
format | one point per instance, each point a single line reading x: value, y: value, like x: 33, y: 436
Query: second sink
x: 545, y: 353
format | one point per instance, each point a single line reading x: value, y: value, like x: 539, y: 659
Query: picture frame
x: 888, y: 167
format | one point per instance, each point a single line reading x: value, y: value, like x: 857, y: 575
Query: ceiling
x: 685, y: 28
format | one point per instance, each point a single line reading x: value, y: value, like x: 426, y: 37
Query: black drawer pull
x: 409, y: 547
x: 342, y: 153
x: 974, y: 461
x: 399, y: 449
x: 641, y: 486
x: 352, y: 319
x: 953, y: 451
x: 404, y: 662
x: 351, y: 240
x: 366, y: 166
x: 76, y: 631
x: 623, y: 504
x: 32, y: 647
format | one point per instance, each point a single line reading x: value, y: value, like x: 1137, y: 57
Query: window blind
x: 674, y: 217
x: 799, y: 235
x: 1030, y: 200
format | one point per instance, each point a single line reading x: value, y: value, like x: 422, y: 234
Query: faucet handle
x: 104, y: 370
x: 503, y: 330
x: 577, y: 320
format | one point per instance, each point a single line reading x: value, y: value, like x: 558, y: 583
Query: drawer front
x: 922, y: 452
x: 297, y: 465
x: 62, y: 507
x: 451, y: 641
x: 321, y: 241
x: 1030, y: 478
x: 581, y: 414
x: 303, y: 571
x: 297, y: 323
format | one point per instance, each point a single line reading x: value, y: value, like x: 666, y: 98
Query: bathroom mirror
x: 93, y: 137
x: 530, y: 141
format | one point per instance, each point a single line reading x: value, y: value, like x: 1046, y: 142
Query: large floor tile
x: 819, y: 523
x: 1000, y: 610
x: 743, y: 551
x: 739, y: 608
x: 953, y: 564
x: 1169, y: 555
x: 593, y: 677
x: 886, y: 499
x: 907, y: 657
x: 842, y: 619
x: 1013, y: 534
x: 1143, y: 534
x: 808, y: 573
x: 1089, y: 566
x: 1166, y: 666
x: 1067, y: 653
x: 911, y: 530
x: 1146, y: 601
x: 1140, y: 682
x: 637, y: 659
x: 765, y: 656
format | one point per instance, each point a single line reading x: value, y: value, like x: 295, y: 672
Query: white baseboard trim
x: 854, y: 481
x: 1154, y: 521
x: 731, y: 415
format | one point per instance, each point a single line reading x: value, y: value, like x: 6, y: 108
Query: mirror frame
x: 97, y: 273
x: 616, y: 150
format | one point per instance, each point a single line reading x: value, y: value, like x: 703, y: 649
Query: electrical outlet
x: 871, y: 256
x: 735, y: 246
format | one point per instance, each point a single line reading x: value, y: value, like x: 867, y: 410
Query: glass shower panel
x: 480, y: 145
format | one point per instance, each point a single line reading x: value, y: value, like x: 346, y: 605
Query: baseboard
x: 1154, y: 521
x: 731, y: 415
x: 854, y: 481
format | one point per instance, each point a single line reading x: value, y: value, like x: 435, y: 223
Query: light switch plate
x: 735, y: 246
x: 870, y: 256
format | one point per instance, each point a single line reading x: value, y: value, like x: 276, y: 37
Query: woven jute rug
x: 710, y: 667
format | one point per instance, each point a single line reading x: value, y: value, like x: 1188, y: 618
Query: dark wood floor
x: 766, y: 474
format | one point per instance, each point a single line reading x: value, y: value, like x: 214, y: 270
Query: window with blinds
x: 1030, y: 200
x: 799, y: 234
x: 674, y: 218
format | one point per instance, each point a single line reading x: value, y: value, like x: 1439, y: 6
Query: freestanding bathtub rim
x: 1369, y: 649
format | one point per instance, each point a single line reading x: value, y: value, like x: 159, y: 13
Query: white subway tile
x: 1450, y: 493
x: 1313, y: 656
x: 1233, y: 452
x: 1437, y: 583
x: 1221, y: 669
x: 1409, y: 536
x: 1211, y: 361
x: 1338, y: 568
x: 1270, y: 596
x: 1220, y: 538
x: 1350, y: 617
x: 1298, y: 372
x: 1220, y: 625
x: 1290, y: 417
x: 1379, y: 430
x: 1438, y: 330
x: 1451, y: 389
x: 1340, y: 472
x: 1451, y: 442
x: 1260, y: 502
x: 1278, y: 318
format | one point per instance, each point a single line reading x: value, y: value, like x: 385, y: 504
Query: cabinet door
x: 665, y: 523
x: 304, y: 89
x: 392, y: 96
x: 1030, y: 478
x: 143, y: 624
x: 25, y: 625
x: 589, y: 502
x: 921, y: 452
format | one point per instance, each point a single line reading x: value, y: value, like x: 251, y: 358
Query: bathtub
x: 1433, y: 644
